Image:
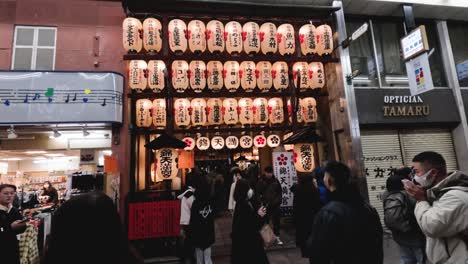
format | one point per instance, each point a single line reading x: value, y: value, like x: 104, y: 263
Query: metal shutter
x: 438, y: 140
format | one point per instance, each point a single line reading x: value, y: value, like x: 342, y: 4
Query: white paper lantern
x: 131, y: 28
x: 275, y: 107
x: 301, y: 68
x: 273, y: 141
x: 190, y: 142
x: 307, y: 39
x: 166, y: 163
x: 198, y: 109
x: 143, y: 113
x: 248, y: 75
x: 136, y: 75
x: 181, y: 112
x: 303, y: 157
x: 214, y: 75
x: 156, y: 70
x: 309, y: 109
x: 179, y: 76
x: 269, y: 43
x: 264, y: 80
x: 215, y: 36
x: 197, y: 71
x: 232, y: 142
x: 280, y: 75
x: 324, y: 39
x: 230, y: 111
x: 217, y: 142
x: 231, y: 76
x: 203, y: 143
x: 215, y: 112
x: 152, y: 37
x: 159, y: 112
x: 316, y: 75
x: 246, y: 115
x: 246, y: 142
x: 196, y: 36
x: 177, y: 30
x: 260, y: 110
x: 251, y: 37
x: 260, y: 141
x: 286, y: 39
x: 233, y: 37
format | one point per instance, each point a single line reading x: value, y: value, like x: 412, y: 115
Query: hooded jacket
x: 443, y: 218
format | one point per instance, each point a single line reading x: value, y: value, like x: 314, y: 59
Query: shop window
x: 34, y: 48
x: 458, y: 38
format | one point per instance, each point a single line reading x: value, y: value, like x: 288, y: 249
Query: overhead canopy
x: 305, y: 135
x: 166, y: 141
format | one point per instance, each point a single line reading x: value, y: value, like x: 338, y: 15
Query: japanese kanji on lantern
x: 152, y: 37
x: 143, y: 113
x: 251, y: 37
x: 198, y: 111
x: 324, y: 39
x: 156, y: 69
x: 246, y: 111
x: 230, y: 111
x: 246, y: 142
x: 309, y: 109
x: 159, y: 112
x: 232, y: 142
x: 260, y: 110
x: 179, y: 75
x: 259, y: 141
x: 181, y: 112
x: 248, y: 76
x: 280, y: 75
x: 233, y: 37
x: 301, y: 68
x: 166, y: 163
x: 316, y: 75
x: 275, y: 107
x: 268, y: 41
x: 176, y: 31
x: 131, y: 33
x: 273, y: 141
x: 196, y: 72
x: 264, y: 79
x: 196, y: 36
x: 231, y: 76
x: 203, y: 143
x: 190, y: 142
x: 303, y: 157
x: 214, y: 75
x: 215, y: 36
x: 217, y: 142
x: 136, y: 75
x: 307, y: 39
x: 214, y: 110
x: 286, y: 39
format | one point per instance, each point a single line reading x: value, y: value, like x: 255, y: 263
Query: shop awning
x: 305, y: 135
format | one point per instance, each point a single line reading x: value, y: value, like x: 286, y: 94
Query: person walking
x: 399, y: 218
x: 441, y: 209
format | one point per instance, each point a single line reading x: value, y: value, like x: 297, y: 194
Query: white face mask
x: 250, y: 194
x: 423, y: 181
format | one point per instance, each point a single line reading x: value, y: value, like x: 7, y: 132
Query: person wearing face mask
x: 441, y: 209
x: 247, y: 243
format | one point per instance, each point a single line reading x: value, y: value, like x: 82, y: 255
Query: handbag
x: 268, y: 235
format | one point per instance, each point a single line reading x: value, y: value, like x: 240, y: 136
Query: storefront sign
x: 419, y: 74
x: 284, y: 171
x: 414, y: 43
x: 405, y: 106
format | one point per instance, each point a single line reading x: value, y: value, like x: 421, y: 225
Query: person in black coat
x: 247, y: 243
x: 50, y: 191
x: 347, y: 229
x: 11, y: 224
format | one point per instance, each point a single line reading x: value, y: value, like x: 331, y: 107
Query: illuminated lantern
x: 132, y: 28
x: 203, y: 143
x: 268, y: 41
x: 246, y: 111
x: 159, y: 112
x: 197, y: 75
x: 177, y: 35
x: 198, y: 112
x: 246, y: 142
x: 264, y: 79
x: 232, y: 142
x: 154, y: 177
x: 273, y: 141
x: 166, y: 163
x: 316, y: 75
x: 324, y: 39
x: 214, y: 75
x: 248, y: 76
x: 217, y: 142
x: 180, y: 80
x: 136, y: 75
x: 143, y: 113
x: 215, y: 36
x: 231, y: 76
x: 309, y: 109
x: 259, y: 141
x: 230, y: 111
x: 156, y: 70
x: 190, y: 142
x: 301, y: 68
x: 233, y: 37
x: 260, y: 111
x: 196, y: 36
x: 251, y: 37
x: 275, y: 108
x: 303, y: 157
x: 181, y: 111
x: 215, y: 112
x: 286, y: 39
x: 307, y: 39
x: 152, y: 36
x: 280, y: 75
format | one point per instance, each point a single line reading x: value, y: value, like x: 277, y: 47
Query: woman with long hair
x: 51, y: 192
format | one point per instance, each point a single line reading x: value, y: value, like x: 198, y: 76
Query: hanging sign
x: 189, y: 142
x: 248, y: 76
x: 233, y: 37
x: 273, y: 141
x: 230, y: 111
x: 156, y: 69
x: 260, y: 111
x: 196, y: 36
x: 203, y: 143
x: 198, y: 111
x: 152, y: 37
x: 269, y: 44
x: 214, y: 109
x: 286, y: 174
x: 303, y: 155
x: 316, y: 75
x: 132, y: 28
x: 179, y: 76
x: 217, y: 142
x: 260, y: 141
x: 214, y: 75
x: 215, y: 36
x: 177, y: 36
x: 308, y: 106
x: 246, y: 111
x: 275, y: 107
x: 307, y: 39
x: 301, y: 68
x: 231, y: 76
x: 181, y: 111
x: 286, y: 39
x: 196, y: 72
x: 251, y: 37
x: 136, y: 75
x: 414, y: 43
x: 143, y: 107
x: 159, y: 112
x: 246, y: 142
x: 166, y: 163
x: 419, y: 75
x: 232, y: 142
x: 280, y: 75
x: 324, y: 40
x: 264, y: 80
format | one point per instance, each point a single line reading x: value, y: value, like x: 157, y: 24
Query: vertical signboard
x: 284, y: 171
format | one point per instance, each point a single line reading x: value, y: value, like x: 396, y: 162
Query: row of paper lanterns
x: 215, y: 75
x: 232, y: 37
x: 217, y: 111
x: 232, y: 142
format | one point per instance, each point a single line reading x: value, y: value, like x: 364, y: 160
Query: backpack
x: 397, y: 215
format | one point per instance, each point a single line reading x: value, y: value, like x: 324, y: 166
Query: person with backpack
x: 347, y: 229
x: 441, y: 209
x: 399, y: 218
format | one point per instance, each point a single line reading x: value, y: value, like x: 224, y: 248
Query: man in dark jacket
x: 269, y: 192
x: 347, y: 229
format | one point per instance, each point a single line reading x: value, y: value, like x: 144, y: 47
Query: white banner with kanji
x: 284, y: 171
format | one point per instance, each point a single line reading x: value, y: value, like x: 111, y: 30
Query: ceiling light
x: 11, y: 133
x: 12, y: 159
x: 35, y: 152
x: 54, y: 155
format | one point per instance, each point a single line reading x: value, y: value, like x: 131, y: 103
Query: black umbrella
x: 166, y: 141
x: 305, y: 135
